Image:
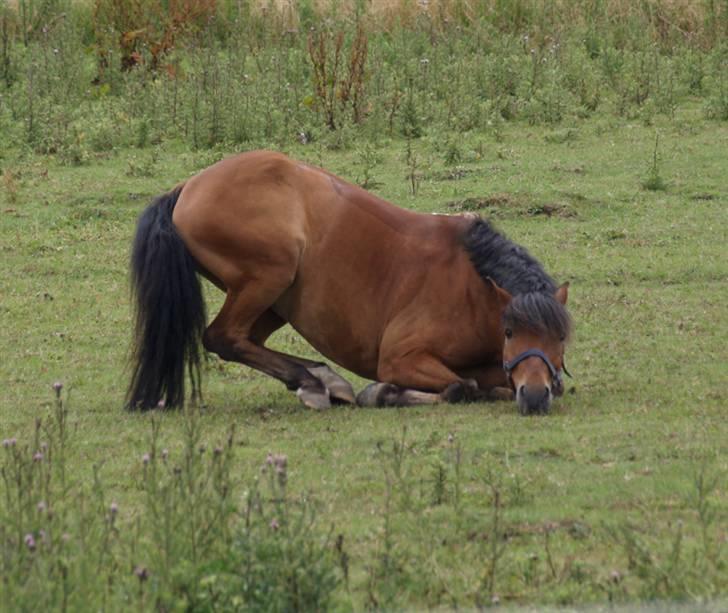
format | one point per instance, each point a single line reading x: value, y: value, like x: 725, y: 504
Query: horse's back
x: 264, y: 201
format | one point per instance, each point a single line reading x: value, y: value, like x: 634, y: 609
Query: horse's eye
x: 509, y: 333
x: 563, y: 338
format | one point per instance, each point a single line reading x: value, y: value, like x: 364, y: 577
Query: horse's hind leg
x: 340, y: 389
x: 230, y: 336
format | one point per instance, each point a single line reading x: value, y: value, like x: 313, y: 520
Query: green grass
x: 644, y: 417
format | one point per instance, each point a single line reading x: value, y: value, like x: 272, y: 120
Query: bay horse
x: 433, y: 308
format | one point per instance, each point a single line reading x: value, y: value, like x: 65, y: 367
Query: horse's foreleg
x: 415, y: 370
x: 406, y: 377
x: 391, y: 395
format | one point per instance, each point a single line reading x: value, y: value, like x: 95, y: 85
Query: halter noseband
x: 556, y: 379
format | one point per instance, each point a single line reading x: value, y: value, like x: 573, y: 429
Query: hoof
x: 314, y: 398
x: 340, y: 390
x: 501, y: 393
x: 379, y: 395
x: 461, y: 391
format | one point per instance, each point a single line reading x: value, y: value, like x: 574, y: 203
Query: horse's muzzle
x: 534, y: 400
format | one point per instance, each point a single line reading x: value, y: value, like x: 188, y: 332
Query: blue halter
x: 556, y: 378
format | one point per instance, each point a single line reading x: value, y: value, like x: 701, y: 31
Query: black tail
x: 170, y: 311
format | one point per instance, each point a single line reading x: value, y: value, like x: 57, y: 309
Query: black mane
x: 514, y: 269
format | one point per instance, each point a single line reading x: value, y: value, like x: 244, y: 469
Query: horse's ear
x: 503, y: 296
x: 562, y: 294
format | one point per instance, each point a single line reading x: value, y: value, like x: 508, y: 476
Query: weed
x: 387, y: 571
x: 453, y: 154
x: 67, y: 546
x: 142, y: 165
x: 410, y: 118
x: 338, y: 83
x: 654, y: 181
x: 716, y: 106
x: 495, y: 543
x: 10, y: 186
x: 412, y: 161
x: 368, y: 158
x: 74, y: 152
x: 705, y: 485
x: 561, y: 136
x: 668, y: 565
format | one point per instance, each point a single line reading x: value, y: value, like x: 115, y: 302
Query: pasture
x: 618, y: 496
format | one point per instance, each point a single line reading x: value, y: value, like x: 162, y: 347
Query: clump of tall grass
x: 83, y: 78
x: 188, y: 543
x: 654, y: 181
x: 665, y: 563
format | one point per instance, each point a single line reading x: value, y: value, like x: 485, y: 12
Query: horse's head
x: 536, y: 327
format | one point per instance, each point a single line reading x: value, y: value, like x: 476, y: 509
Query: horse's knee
x: 462, y: 391
x: 399, y: 370
x: 388, y: 369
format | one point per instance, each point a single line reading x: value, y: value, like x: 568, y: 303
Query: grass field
x: 618, y: 496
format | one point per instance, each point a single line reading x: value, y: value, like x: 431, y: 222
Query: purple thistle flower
x: 165, y: 454
x: 615, y: 576
x: 57, y: 387
x: 269, y: 459
x: 37, y: 456
x: 217, y: 451
x: 9, y: 442
x: 41, y: 507
x: 145, y: 459
x: 113, y: 509
x: 141, y: 572
x: 280, y: 460
x: 29, y: 541
x: 161, y: 404
x: 450, y: 437
x: 274, y: 525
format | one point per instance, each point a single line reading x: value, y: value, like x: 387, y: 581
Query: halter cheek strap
x: 537, y: 353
